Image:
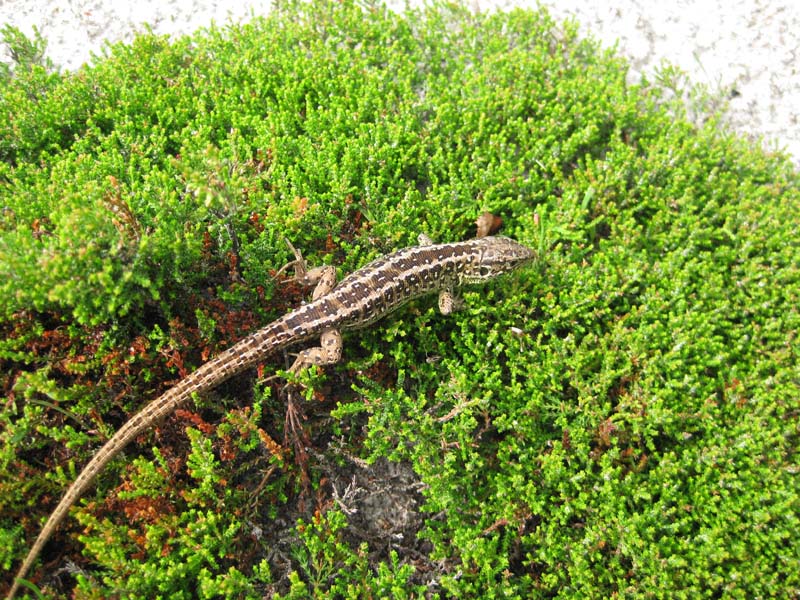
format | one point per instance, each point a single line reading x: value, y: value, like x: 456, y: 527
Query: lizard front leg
x: 449, y: 302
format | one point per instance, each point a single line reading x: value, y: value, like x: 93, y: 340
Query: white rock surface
x: 751, y: 46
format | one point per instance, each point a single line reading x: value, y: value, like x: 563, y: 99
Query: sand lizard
x: 357, y: 301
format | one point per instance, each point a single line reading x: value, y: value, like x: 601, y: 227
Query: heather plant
x: 618, y: 419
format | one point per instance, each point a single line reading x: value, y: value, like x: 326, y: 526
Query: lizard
x: 360, y: 299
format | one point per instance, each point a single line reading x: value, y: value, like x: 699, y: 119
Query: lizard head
x: 495, y: 256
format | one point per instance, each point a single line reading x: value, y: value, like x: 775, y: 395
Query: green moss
x: 618, y: 419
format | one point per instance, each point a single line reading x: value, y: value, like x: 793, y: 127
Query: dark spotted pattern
x: 359, y: 300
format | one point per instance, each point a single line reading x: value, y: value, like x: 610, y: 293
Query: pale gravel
x: 750, y: 46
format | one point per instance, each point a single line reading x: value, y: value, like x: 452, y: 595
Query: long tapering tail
x: 239, y: 357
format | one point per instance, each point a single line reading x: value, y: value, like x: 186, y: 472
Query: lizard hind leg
x: 323, y: 277
x: 327, y: 353
x: 329, y: 350
x: 298, y: 263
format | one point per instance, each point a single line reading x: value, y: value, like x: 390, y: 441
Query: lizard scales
x: 358, y: 300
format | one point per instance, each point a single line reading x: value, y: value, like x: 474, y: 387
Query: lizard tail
x: 228, y: 363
